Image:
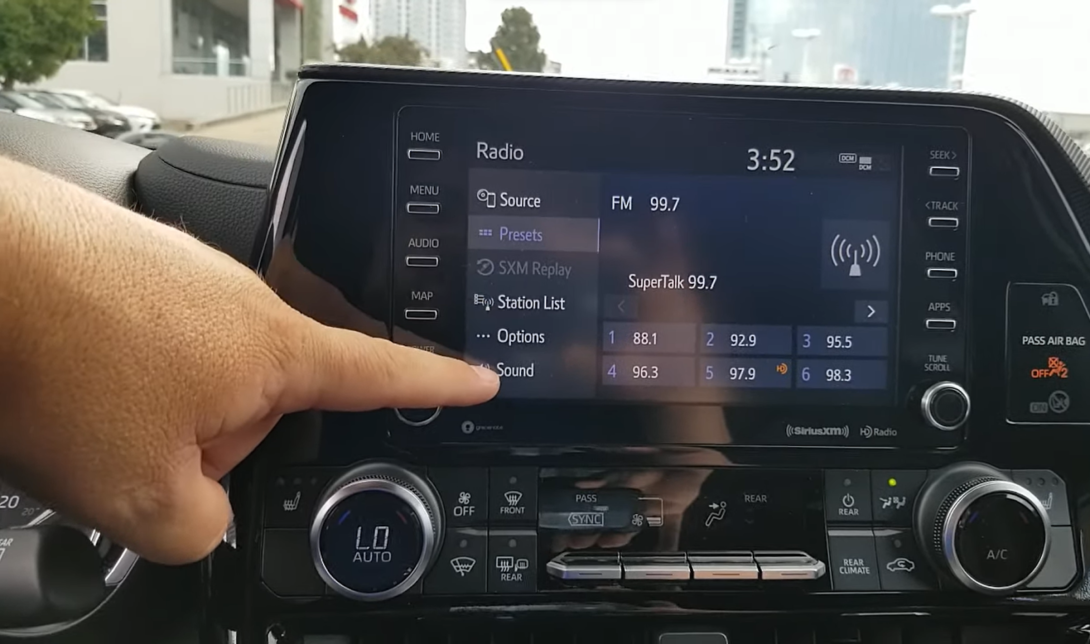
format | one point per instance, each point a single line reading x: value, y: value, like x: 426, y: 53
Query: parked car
x: 25, y: 106
x: 141, y: 118
x: 150, y: 140
x: 107, y: 123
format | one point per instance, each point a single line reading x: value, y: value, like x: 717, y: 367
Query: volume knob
x: 987, y: 532
x: 945, y: 406
x: 376, y: 531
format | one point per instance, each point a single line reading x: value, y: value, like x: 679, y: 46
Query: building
x: 351, y: 20
x: 871, y: 42
x: 196, y: 60
x: 439, y: 26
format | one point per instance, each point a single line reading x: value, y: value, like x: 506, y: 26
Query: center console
x: 769, y: 357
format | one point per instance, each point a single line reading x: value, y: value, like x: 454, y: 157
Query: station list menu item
x: 532, y: 280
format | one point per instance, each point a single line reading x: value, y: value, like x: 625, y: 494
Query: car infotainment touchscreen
x: 664, y: 258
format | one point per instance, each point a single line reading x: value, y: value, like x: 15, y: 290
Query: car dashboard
x: 778, y: 364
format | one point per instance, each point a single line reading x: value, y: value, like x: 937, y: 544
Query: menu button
x: 422, y: 208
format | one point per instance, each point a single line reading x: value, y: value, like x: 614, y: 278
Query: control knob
x: 987, y: 532
x: 945, y: 405
x: 376, y: 531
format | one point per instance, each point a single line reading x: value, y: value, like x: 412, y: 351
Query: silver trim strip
x: 120, y: 569
x: 656, y: 568
x: 573, y: 570
x: 953, y: 516
x: 788, y: 566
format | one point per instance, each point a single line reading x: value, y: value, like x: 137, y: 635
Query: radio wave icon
x: 842, y: 251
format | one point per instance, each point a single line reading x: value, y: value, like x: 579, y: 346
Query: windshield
x: 226, y: 67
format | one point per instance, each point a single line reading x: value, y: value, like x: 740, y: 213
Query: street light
x: 956, y: 15
x: 806, y: 35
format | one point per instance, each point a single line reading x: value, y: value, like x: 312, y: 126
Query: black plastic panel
x: 330, y: 251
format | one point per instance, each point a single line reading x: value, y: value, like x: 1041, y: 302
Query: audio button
x: 422, y: 261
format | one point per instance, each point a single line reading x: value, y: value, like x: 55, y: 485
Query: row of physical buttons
x: 886, y: 496
x: 476, y: 561
x: 726, y: 566
x: 471, y: 496
x: 511, y: 494
x: 890, y: 559
x: 422, y: 261
x: 471, y: 562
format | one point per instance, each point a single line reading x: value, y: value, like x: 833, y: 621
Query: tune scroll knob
x: 376, y: 531
x: 945, y: 406
x: 987, y: 532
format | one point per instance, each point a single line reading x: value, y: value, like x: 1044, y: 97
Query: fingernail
x: 487, y: 375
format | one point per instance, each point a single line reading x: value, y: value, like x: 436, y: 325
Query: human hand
x: 138, y: 366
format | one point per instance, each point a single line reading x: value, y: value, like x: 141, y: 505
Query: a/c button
x: 847, y: 496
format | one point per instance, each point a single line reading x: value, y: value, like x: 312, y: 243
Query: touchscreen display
x: 681, y: 259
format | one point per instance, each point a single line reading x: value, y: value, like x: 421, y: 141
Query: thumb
x: 180, y: 522
x: 341, y: 370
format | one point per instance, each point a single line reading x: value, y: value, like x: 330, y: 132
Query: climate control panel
x: 381, y: 529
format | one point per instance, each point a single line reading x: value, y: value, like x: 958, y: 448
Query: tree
x: 520, y: 41
x: 38, y: 36
x: 391, y: 50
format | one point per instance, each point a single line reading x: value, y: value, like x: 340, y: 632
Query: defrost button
x: 512, y: 494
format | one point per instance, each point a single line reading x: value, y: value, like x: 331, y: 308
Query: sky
x: 617, y: 38
x: 1035, y: 50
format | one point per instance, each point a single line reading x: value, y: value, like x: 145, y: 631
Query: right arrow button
x: 871, y: 312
